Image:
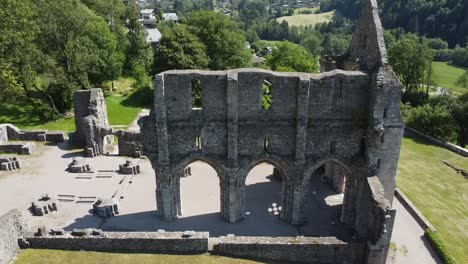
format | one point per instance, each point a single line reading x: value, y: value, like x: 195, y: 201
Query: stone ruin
x: 93, y: 131
x: 10, y: 163
x: 92, y: 124
x: 79, y: 165
x: 44, y: 205
x: 106, y: 207
x: 129, y: 167
x: 10, y: 132
x: 348, y: 117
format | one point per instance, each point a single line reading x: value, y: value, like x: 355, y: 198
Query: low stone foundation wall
x: 319, y: 250
x: 22, y: 148
x: 409, y: 131
x: 15, y: 133
x: 11, y: 229
x: 129, y: 242
x: 413, y: 210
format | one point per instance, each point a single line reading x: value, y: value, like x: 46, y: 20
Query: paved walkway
x: 408, y: 242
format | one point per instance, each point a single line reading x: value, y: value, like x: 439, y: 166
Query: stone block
x: 56, y: 136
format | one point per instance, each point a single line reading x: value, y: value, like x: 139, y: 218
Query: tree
x: 48, y: 49
x: 138, y: 51
x: 411, y: 60
x: 460, y: 57
x: 463, y: 80
x: 288, y: 56
x: 335, y: 44
x: 180, y: 49
x: 223, y: 39
x: 435, y: 120
x: 460, y: 115
x: 313, y: 44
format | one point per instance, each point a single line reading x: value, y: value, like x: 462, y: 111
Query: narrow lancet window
x: 196, y: 94
x: 198, y: 143
x: 266, y: 144
x: 266, y: 96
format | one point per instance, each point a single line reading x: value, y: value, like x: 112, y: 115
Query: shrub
x: 434, y: 120
x: 439, y: 246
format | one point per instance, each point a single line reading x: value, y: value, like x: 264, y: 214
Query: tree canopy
x: 223, y: 39
x: 411, y: 60
x: 180, y: 49
x: 288, y: 56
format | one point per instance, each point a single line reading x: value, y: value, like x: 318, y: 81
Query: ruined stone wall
x: 129, y: 143
x: 130, y: 242
x: 313, y: 117
x: 351, y: 118
x: 412, y: 132
x: 91, y: 121
x: 368, y: 45
x: 14, y: 133
x: 335, y: 105
x: 11, y: 229
x: 319, y: 250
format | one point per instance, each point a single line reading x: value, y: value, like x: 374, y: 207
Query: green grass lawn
x: 309, y: 19
x: 34, y: 256
x: 122, y: 110
x: 447, y: 75
x: 437, y: 191
x: 123, y: 85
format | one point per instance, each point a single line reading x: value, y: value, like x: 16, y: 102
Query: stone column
x: 167, y: 199
x: 232, y: 198
x: 301, y: 119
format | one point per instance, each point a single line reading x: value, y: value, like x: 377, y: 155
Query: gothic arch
x: 220, y: 171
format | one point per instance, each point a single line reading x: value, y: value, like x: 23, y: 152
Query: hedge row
x: 439, y: 246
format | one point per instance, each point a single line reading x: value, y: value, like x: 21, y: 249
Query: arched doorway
x: 108, y: 145
x: 264, y: 187
x: 324, y: 197
x: 199, y: 190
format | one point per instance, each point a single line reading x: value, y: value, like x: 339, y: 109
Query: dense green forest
x: 48, y: 49
x: 446, y: 19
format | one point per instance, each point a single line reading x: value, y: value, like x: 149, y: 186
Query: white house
x: 141, y: 3
x: 147, y: 17
x: 170, y: 16
x: 153, y: 36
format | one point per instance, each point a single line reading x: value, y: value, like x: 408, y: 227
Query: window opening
x: 266, y: 96
x: 196, y: 94
x: 266, y: 144
x: 198, y: 143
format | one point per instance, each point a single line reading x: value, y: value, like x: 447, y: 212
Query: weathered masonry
x: 93, y: 131
x: 350, y: 119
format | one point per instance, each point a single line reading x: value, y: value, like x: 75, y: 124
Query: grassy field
x: 447, y: 75
x: 32, y: 256
x: 438, y: 191
x: 122, y: 110
x: 309, y: 19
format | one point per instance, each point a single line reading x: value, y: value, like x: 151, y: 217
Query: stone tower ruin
x: 348, y: 117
